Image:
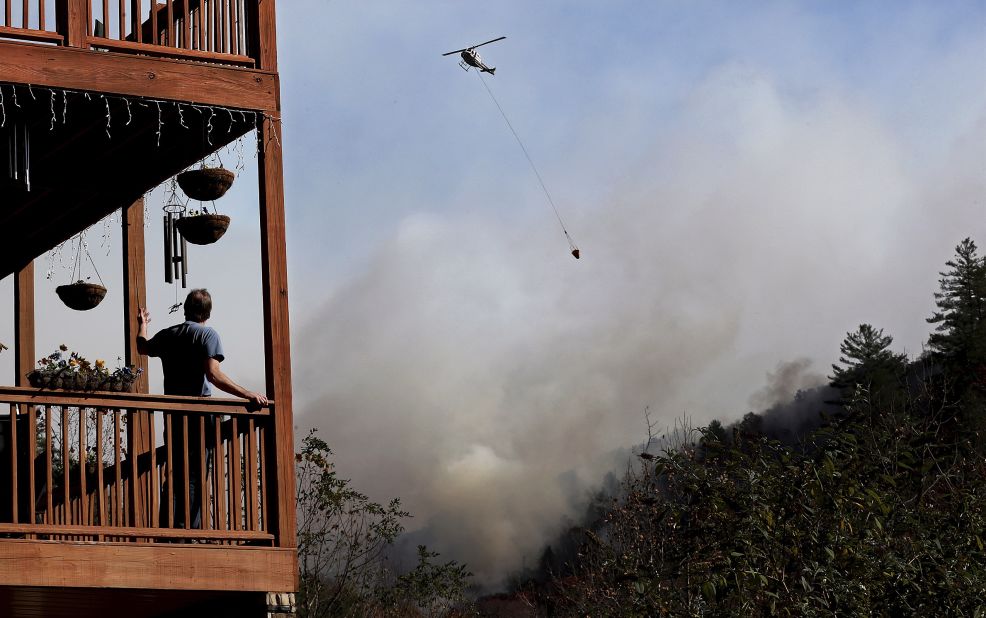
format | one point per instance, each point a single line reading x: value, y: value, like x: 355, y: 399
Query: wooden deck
x: 116, y: 98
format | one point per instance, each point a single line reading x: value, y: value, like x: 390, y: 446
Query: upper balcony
x: 106, y: 99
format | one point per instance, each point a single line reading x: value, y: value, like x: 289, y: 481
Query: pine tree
x: 959, y: 339
x: 868, y: 363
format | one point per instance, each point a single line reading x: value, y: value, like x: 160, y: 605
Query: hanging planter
x: 206, y: 184
x: 80, y: 295
x: 202, y: 229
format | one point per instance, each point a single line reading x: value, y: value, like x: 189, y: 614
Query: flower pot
x: 36, y: 379
x: 206, y: 184
x: 203, y: 229
x: 81, y: 296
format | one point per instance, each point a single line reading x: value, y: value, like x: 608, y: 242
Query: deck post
x: 23, y: 363
x: 24, y: 318
x: 72, y: 21
x: 134, y: 296
x: 273, y: 253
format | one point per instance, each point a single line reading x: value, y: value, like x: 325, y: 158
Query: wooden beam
x: 277, y: 341
x: 138, y: 76
x: 146, y: 566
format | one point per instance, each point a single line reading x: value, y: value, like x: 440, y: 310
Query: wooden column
x: 24, y: 319
x: 134, y: 286
x: 21, y: 455
x: 277, y: 338
x: 72, y: 19
x: 134, y: 296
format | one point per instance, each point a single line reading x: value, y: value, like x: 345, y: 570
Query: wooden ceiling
x: 86, y: 162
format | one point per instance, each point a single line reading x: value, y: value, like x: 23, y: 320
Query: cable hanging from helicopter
x: 470, y: 58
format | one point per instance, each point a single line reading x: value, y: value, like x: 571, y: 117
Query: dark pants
x: 197, y: 458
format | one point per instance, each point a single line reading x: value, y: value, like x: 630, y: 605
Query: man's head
x: 198, y: 305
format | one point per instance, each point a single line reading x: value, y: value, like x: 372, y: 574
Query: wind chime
x: 19, y: 155
x: 175, y: 247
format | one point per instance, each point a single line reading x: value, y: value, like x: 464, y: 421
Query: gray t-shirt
x: 183, y: 349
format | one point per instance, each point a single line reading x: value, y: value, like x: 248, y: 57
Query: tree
x: 959, y: 339
x: 867, y: 365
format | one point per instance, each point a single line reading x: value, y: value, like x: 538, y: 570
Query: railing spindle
x: 48, y: 473
x: 169, y: 470
x: 203, y: 494
x: 186, y: 488
x: 66, y: 494
x: 121, y: 16
x: 155, y: 35
x: 186, y: 25
x: 252, y: 484
x: 13, y: 446
x: 118, y: 468
x: 136, y: 32
x: 41, y: 14
x: 8, y: 15
x: 262, y: 441
x: 32, y: 453
x: 153, y: 475
x: 219, y: 467
x: 171, y: 23
x: 106, y: 19
x: 24, y: 13
x: 235, y: 514
x: 101, y: 493
x: 83, y: 447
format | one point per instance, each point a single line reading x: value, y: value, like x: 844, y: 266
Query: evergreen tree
x: 868, y: 363
x: 959, y: 339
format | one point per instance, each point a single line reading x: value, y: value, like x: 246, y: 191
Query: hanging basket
x: 81, y: 296
x: 206, y: 184
x: 203, y: 229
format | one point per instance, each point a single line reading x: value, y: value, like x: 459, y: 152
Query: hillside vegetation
x: 877, y: 508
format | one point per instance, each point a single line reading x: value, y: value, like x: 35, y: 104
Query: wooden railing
x: 30, y: 20
x: 215, y: 31
x: 127, y: 468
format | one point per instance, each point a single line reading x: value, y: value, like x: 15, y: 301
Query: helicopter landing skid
x: 463, y: 65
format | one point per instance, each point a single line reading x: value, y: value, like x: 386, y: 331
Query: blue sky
x: 747, y: 181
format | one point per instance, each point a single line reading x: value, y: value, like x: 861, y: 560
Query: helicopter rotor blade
x: 488, y: 42
x: 457, y: 51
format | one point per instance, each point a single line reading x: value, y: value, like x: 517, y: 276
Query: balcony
x: 114, y: 97
x: 106, y: 99
x: 102, y: 478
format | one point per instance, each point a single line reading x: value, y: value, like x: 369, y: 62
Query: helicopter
x: 470, y: 57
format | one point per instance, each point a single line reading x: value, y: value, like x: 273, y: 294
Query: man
x: 190, y: 354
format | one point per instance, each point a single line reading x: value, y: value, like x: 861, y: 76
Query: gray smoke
x: 479, y: 372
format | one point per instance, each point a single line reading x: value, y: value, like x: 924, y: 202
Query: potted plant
x: 75, y: 373
x: 81, y: 295
x: 202, y: 228
x: 206, y: 183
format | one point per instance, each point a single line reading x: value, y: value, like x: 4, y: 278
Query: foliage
x: 343, y: 540
x: 876, y: 517
x: 867, y: 362
x: 881, y: 510
x: 960, y: 332
x: 75, y: 372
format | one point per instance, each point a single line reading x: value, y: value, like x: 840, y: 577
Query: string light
x: 107, y: 101
x: 3, y: 110
x: 14, y: 90
x: 31, y: 92
x: 53, y: 117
